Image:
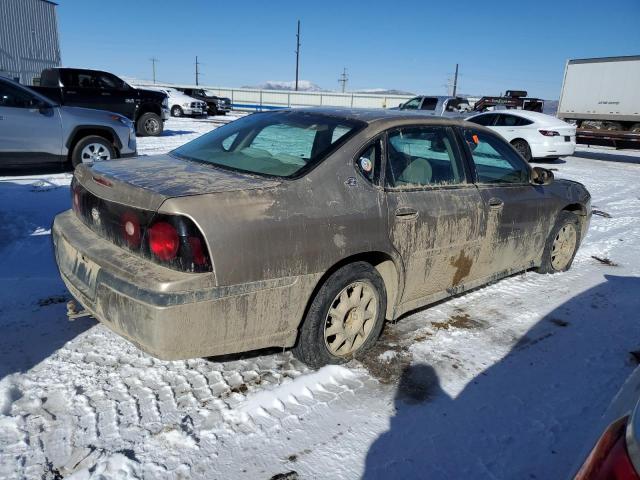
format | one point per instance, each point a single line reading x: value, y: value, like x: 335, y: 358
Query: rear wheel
x: 523, y: 149
x: 92, y: 149
x: 345, y: 317
x: 149, y: 124
x: 562, y: 244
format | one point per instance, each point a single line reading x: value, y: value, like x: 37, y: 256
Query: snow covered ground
x: 504, y: 382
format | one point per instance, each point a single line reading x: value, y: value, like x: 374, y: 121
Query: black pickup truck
x: 215, y: 105
x: 104, y: 91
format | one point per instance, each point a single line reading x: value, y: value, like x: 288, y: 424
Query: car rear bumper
x: 553, y: 149
x: 170, y: 314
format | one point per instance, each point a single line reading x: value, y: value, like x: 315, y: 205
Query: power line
x: 153, y: 63
x: 344, y: 78
x: 297, y: 54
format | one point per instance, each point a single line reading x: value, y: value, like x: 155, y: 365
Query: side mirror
x: 541, y: 176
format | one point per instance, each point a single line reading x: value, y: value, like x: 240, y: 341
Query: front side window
x: 412, y: 104
x: 109, y: 82
x: 494, y: 160
x: 15, y: 97
x: 281, y: 144
x: 421, y: 156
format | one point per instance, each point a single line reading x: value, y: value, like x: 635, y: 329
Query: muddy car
x: 307, y: 229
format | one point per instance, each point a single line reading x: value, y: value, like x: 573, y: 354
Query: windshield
x: 281, y: 144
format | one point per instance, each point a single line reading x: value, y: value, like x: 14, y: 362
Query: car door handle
x: 407, y: 213
x: 73, y: 92
x: 495, y: 203
x: 105, y: 94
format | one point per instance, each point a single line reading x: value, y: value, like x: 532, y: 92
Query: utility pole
x: 197, y: 71
x: 153, y: 63
x: 297, y: 54
x: 455, y: 82
x: 343, y: 79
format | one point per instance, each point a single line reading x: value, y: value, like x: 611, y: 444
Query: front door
x: 517, y: 211
x: 29, y: 133
x: 435, y: 219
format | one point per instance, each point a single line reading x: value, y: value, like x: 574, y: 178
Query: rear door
x: 434, y: 217
x: 28, y: 134
x: 517, y: 211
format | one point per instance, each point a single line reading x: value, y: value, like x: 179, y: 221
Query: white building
x: 28, y: 39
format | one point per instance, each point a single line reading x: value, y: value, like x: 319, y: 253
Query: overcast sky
x: 407, y: 45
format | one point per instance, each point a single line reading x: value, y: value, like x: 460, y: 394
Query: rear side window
x: 505, y: 120
x: 368, y: 162
x: 422, y: 156
x: 485, y: 120
x: 429, y: 103
x: 495, y: 160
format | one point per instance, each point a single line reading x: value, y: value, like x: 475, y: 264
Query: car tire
x: 356, y: 294
x: 149, y: 125
x: 523, y: 148
x: 561, y: 246
x: 176, y: 111
x: 90, y: 148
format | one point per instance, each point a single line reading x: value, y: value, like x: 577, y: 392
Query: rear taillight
x: 549, y: 133
x: 609, y: 459
x: 176, y: 242
x: 164, y: 241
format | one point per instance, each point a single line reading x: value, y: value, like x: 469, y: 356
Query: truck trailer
x: 602, y: 97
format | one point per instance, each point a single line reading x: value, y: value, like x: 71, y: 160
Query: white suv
x: 181, y: 105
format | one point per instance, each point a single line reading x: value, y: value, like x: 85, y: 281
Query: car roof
x: 374, y: 115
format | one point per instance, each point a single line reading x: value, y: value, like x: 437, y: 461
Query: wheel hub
x: 563, y: 247
x: 95, y: 152
x: 350, y: 319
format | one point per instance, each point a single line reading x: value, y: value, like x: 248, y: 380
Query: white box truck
x: 602, y: 94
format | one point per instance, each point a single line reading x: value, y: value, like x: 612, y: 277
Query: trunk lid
x: 146, y: 182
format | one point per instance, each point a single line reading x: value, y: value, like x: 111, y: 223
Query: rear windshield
x: 281, y: 144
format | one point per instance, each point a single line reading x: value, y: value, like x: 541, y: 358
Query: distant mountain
x: 384, y: 91
x: 303, y: 86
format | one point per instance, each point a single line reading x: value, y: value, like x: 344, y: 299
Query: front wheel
x: 92, y: 149
x: 523, y: 149
x: 345, y: 317
x: 562, y: 244
x: 176, y: 111
x: 149, y: 124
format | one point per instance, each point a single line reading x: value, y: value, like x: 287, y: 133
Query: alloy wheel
x: 95, y: 152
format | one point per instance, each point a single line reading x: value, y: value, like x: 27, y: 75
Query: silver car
x: 35, y: 131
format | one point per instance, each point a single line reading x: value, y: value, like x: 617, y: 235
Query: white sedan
x: 532, y: 134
